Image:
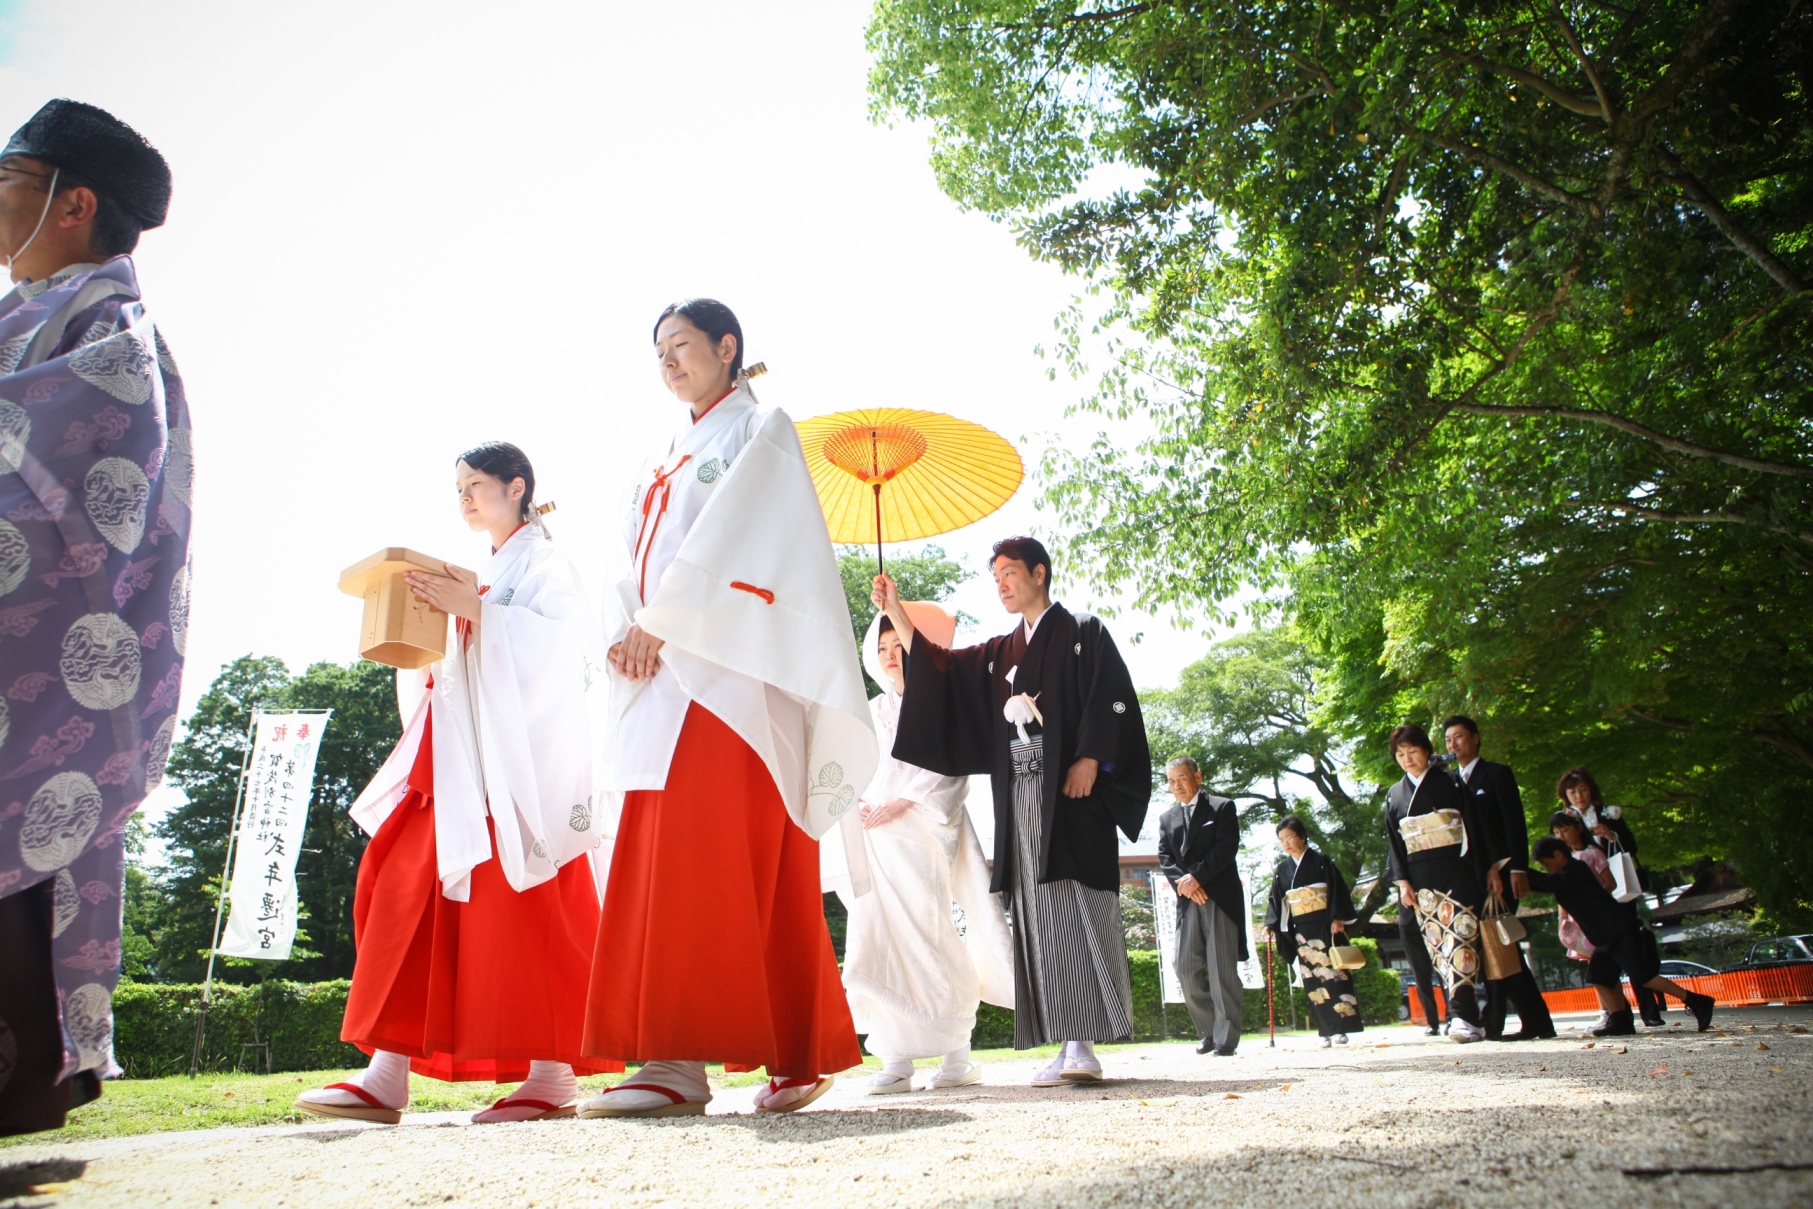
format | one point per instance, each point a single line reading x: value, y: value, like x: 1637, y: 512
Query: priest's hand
x: 1495, y: 881
x: 875, y: 816
x: 1192, y: 889
x: 1080, y: 781
x: 1520, y: 883
x: 1336, y: 927
x: 451, y: 594
x: 1407, y: 896
x: 637, y: 657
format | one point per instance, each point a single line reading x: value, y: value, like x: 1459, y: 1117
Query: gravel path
x: 1397, y: 1119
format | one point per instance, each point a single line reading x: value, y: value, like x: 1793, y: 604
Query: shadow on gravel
x: 1107, y: 1089
x: 33, y: 1177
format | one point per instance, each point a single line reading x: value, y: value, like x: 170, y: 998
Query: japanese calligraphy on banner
x: 1164, y: 922
x: 279, y: 783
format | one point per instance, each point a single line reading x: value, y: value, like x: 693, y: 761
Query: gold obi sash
x: 1437, y: 829
x: 1307, y: 900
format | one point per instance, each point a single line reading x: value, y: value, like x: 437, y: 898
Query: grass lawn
x: 210, y: 1101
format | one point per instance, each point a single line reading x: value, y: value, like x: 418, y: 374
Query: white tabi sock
x: 957, y: 1059
x: 550, y: 1082
x: 386, y: 1079
x: 897, y: 1066
x: 685, y: 1078
x: 1079, y: 1051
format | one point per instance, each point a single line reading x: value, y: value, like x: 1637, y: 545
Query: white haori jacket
x: 732, y: 568
x: 513, y: 711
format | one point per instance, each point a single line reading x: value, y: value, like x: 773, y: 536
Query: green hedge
x: 154, y: 1027
x: 1378, y: 988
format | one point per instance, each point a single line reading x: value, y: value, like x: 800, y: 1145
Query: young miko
x: 1048, y: 711
x: 914, y: 982
x: 476, y: 908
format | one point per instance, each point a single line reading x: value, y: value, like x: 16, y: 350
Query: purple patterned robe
x: 95, y: 476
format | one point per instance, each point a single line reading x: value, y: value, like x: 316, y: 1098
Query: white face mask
x: 42, y: 215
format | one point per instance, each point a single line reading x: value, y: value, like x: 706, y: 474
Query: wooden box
x: 398, y: 630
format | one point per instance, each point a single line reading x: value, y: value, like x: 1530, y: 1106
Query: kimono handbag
x: 1624, y: 873
x: 1501, y: 957
x: 1346, y: 957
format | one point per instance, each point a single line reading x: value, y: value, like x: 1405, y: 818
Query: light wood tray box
x: 398, y: 630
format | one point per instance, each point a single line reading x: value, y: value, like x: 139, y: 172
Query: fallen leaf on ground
x: 1685, y: 1073
x: 1775, y: 1070
x: 1622, y: 1049
x: 1159, y: 1103
x: 1660, y: 1070
x: 1797, y: 1029
x: 1590, y: 1044
x: 1760, y: 1045
x: 1230, y: 1096
x: 1284, y: 1087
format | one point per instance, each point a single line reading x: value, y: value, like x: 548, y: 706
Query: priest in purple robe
x: 95, y: 476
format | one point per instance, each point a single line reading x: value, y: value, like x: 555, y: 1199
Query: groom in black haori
x: 1048, y: 711
x: 95, y: 474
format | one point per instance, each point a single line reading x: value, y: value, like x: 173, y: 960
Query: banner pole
x: 220, y: 903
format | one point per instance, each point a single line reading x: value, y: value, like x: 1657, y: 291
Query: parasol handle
x: 878, y: 564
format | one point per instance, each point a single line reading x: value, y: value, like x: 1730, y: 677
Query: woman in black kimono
x: 1440, y: 852
x: 1048, y: 711
x: 1310, y: 906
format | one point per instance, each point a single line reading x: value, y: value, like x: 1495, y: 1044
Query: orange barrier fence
x: 1734, y: 988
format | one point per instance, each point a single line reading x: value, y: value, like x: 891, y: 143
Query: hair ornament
x: 752, y: 371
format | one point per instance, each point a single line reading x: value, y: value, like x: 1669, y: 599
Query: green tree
x: 1479, y: 330
x: 206, y: 766
x: 929, y: 574
x: 1247, y: 713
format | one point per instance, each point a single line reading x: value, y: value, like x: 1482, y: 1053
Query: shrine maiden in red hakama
x: 744, y: 742
x: 477, y: 905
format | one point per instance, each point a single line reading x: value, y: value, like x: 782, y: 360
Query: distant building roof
x: 1704, y: 904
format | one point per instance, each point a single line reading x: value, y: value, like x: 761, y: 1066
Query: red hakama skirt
x: 473, y: 990
x: 713, y: 945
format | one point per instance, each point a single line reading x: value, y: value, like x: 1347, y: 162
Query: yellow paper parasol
x: 941, y: 473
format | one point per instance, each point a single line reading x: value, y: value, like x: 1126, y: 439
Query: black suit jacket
x: 1500, y: 807
x: 1203, y: 842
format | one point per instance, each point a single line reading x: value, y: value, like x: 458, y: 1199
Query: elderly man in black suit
x: 1198, y: 840
x: 1499, y: 804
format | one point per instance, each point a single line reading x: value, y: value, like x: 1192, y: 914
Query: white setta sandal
x: 886, y: 1084
x: 945, y: 1078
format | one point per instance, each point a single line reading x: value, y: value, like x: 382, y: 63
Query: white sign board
x: 1164, y: 922
x: 278, y: 786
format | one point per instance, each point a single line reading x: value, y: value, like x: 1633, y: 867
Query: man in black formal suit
x: 1500, y: 806
x: 1198, y: 840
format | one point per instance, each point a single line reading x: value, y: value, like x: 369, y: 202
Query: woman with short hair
x: 1309, y: 908
x: 1439, y: 855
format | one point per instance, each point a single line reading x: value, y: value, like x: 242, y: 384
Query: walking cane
x: 1271, y: 1014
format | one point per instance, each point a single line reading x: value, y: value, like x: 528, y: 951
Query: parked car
x: 1778, y: 950
x: 1685, y: 969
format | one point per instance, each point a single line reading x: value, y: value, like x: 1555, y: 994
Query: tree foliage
x: 1478, y: 331
x: 206, y: 766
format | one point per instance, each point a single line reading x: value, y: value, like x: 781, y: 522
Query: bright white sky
x: 400, y: 229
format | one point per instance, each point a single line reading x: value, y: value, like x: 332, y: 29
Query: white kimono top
x: 731, y: 566
x: 513, y: 708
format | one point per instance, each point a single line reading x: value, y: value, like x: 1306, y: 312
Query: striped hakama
x: 1070, y: 955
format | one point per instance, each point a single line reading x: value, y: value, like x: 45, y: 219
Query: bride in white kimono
x: 913, y: 978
